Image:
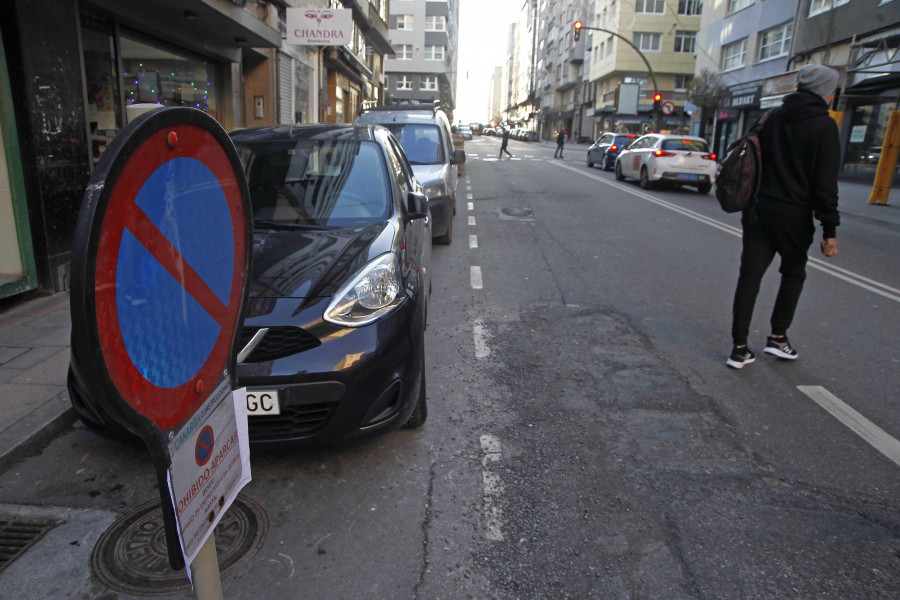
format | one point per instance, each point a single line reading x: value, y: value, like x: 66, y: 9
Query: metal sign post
x: 161, y: 261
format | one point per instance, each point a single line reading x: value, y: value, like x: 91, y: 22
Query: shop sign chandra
x: 319, y: 26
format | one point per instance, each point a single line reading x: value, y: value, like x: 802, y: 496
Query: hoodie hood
x: 801, y: 106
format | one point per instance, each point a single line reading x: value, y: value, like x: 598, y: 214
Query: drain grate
x: 130, y: 557
x: 16, y: 537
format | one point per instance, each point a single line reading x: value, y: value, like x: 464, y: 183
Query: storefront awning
x: 874, y: 85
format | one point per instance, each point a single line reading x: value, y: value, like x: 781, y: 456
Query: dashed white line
x: 470, y: 205
x: 493, y: 489
x: 481, y: 336
x: 475, y: 277
x: 861, y: 426
x: 471, y: 220
x: 469, y: 197
x: 473, y: 241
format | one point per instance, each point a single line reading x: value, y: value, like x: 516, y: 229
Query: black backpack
x: 739, y: 173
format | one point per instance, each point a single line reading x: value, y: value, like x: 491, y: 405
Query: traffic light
x: 657, y: 103
x: 577, y: 31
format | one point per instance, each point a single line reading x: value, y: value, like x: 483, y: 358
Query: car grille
x: 277, y: 343
x: 293, y: 422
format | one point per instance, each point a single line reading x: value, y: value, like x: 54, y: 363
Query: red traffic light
x: 577, y: 24
x: 577, y: 33
x: 657, y: 97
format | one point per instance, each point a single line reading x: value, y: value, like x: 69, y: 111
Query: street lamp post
x: 657, y: 120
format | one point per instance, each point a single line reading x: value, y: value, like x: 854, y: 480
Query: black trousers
x: 503, y: 149
x: 763, y: 239
x: 559, y: 150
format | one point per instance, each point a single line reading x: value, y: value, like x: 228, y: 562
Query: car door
x: 627, y: 157
x: 638, y: 157
x: 417, y: 234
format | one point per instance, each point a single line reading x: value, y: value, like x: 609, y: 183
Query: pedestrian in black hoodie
x: 800, y: 161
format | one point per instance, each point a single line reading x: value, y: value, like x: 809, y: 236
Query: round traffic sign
x: 164, y: 266
x: 668, y: 107
x: 203, y: 449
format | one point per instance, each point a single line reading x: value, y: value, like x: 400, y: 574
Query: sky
x: 483, y: 38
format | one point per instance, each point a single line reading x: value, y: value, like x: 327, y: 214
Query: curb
x: 33, y: 433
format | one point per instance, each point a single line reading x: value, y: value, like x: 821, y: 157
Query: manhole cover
x: 131, y: 557
x: 519, y: 214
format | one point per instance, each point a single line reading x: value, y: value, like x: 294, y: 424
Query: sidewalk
x: 34, y: 346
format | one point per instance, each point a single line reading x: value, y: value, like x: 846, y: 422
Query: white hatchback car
x: 675, y: 159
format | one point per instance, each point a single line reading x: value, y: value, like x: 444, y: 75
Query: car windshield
x: 317, y: 183
x: 685, y: 145
x: 422, y: 143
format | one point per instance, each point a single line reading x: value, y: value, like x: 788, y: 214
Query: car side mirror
x: 416, y: 206
x: 459, y: 157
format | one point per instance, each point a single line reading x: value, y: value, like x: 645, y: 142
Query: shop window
x: 160, y: 76
x: 101, y: 80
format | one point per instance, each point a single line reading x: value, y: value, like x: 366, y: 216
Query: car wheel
x: 704, y: 188
x: 645, y: 179
x: 619, y: 175
x: 590, y: 162
x: 93, y: 418
x: 447, y: 238
x: 420, y: 412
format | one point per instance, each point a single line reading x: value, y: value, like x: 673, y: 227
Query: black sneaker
x: 781, y: 348
x: 740, y: 357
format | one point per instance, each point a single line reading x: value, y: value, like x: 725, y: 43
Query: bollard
x: 890, y: 148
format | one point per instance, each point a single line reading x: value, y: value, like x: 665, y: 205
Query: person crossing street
x: 504, y: 143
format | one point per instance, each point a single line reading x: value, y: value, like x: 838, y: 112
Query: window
x: 736, y: 5
x: 817, y: 7
x: 734, y: 56
x: 404, y: 52
x: 405, y: 22
x: 775, y: 42
x: 434, y: 53
x: 657, y: 7
x: 690, y: 7
x: 685, y: 41
x: 435, y: 23
x: 682, y: 81
x: 647, y: 41
x: 429, y: 82
x: 404, y: 82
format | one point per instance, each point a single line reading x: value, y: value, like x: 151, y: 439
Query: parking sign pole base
x: 205, y: 569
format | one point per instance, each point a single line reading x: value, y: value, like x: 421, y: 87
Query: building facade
x: 424, y: 35
x: 665, y: 31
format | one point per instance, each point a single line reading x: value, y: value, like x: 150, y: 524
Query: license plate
x: 688, y: 176
x: 263, y: 402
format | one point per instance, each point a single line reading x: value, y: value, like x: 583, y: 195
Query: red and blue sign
x: 203, y: 450
x: 170, y: 269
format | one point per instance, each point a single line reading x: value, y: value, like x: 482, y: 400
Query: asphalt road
x: 585, y: 439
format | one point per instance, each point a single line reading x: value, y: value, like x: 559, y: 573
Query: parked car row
x: 332, y: 346
x: 656, y: 158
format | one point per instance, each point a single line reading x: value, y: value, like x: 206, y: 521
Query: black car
x: 604, y: 151
x: 333, y: 338
x: 332, y: 342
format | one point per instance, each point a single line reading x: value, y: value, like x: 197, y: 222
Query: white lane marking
x: 473, y: 241
x: 493, y: 489
x: 861, y: 426
x: 885, y: 290
x: 470, y: 206
x: 475, y: 277
x: 469, y: 197
x: 481, y: 336
x: 471, y: 220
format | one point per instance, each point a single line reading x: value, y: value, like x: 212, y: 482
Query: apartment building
x: 423, y: 68
x: 665, y: 32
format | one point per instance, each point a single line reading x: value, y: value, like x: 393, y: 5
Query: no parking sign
x: 161, y: 261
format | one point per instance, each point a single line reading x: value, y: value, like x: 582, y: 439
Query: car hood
x: 426, y: 173
x: 313, y: 263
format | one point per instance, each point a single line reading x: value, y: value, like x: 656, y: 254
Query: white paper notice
x: 210, y: 465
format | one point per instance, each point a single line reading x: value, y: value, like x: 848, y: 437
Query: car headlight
x: 435, y: 189
x: 374, y: 292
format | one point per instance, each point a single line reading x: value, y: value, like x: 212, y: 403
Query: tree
x: 706, y: 92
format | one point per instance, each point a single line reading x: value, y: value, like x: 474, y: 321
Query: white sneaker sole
x: 777, y: 352
x: 739, y: 365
